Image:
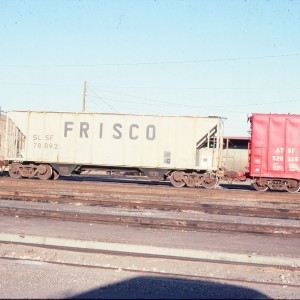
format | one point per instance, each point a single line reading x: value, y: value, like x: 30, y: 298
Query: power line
x: 165, y: 103
x: 101, y: 98
x: 196, y: 61
x: 152, y: 87
x: 162, y: 62
x: 97, y: 104
x: 194, y: 88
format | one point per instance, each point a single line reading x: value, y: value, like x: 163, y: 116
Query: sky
x: 186, y: 58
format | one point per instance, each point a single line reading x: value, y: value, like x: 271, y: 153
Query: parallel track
x: 127, y: 219
x: 129, y: 196
x: 156, y: 198
x: 171, y: 275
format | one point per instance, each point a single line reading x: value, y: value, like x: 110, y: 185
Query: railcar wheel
x: 292, y: 186
x: 44, y: 172
x: 259, y: 187
x: 210, y: 180
x: 176, y: 179
x: 14, y: 171
x: 54, y: 175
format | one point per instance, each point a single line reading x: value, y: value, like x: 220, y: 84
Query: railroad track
x: 72, y: 184
x: 142, y: 203
x: 152, y: 219
x: 146, y: 263
x: 126, y: 196
x: 132, y: 198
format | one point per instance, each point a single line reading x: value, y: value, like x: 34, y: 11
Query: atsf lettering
x: 288, y: 154
x: 280, y: 150
x: 118, y: 131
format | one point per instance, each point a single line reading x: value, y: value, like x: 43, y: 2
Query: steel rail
x: 102, y: 188
x: 133, y: 188
x: 152, y: 222
x: 169, y: 274
x: 138, y: 201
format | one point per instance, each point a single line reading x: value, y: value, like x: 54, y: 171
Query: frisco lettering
x: 118, y: 130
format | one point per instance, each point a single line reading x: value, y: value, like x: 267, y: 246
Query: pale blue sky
x: 225, y: 58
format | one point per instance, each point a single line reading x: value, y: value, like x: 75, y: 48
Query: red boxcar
x: 275, y: 152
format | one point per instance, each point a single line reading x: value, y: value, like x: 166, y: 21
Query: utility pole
x: 84, y: 96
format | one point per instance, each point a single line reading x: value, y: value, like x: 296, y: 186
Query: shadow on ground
x: 148, y: 287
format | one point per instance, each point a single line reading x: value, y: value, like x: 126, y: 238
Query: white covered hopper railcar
x: 187, y: 150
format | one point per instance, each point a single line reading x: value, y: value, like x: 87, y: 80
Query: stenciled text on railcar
x: 133, y: 131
